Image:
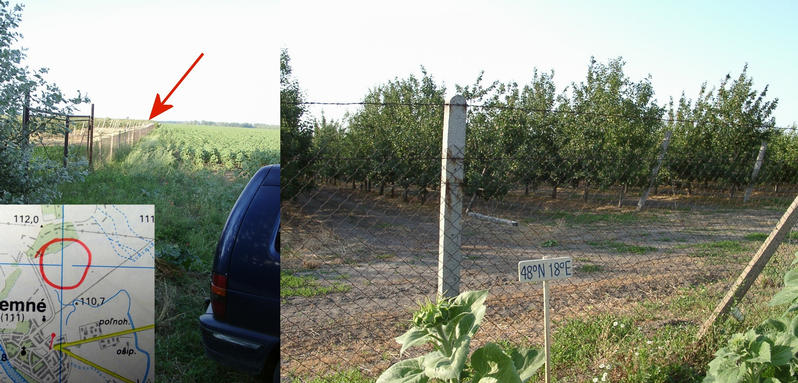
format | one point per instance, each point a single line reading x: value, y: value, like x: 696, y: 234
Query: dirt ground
x: 384, y: 254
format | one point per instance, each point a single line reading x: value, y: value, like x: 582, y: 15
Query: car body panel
x: 247, y: 254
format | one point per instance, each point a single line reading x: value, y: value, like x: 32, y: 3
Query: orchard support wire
x: 450, y: 223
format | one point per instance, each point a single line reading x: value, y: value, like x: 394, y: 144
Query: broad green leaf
x: 762, y: 350
x: 527, y: 361
x: 791, y: 278
x: 771, y: 380
x: 781, y: 355
x: 492, y: 365
x: 473, y: 301
x: 406, y: 371
x: 786, y: 295
x: 413, y: 337
x: 773, y: 325
x: 440, y: 366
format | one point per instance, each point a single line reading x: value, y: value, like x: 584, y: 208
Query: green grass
x: 192, y: 203
x: 716, y: 249
x: 347, y: 376
x: 549, y: 243
x: 622, y: 248
x: 589, y: 218
x: 589, y: 268
x: 762, y: 236
x: 292, y: 285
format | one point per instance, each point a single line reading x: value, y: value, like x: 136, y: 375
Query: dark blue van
x: 241, y: 326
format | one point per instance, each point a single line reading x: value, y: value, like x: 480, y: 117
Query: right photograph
x: 537, y: 192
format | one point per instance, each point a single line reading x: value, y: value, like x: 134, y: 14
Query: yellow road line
x: 97, y: 366
x: 60, y: 346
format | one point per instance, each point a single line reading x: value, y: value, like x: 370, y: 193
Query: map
x: 77, y: 293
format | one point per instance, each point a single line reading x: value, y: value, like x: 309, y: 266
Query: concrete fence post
x: 451, y: 204
x: 757, y: 166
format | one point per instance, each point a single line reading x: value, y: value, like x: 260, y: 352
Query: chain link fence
x: 657, y: 222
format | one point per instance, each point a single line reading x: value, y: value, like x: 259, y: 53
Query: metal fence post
x: 451, y: 209
x: 642, y: 202
x: 758, y: 165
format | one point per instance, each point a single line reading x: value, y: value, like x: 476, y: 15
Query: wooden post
x: 66, y: 140
x: 451, y: 211
x: 546, y: 328
x: 91, y: 138
x: 653, y: 182
x: 758, y: 165
x: 26, y: 121
x: 755, y: 266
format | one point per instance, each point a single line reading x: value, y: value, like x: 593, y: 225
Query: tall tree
x: 296, y: 134
x: 25, y: 178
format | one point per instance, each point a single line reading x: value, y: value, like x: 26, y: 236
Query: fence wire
x: 360, y: 229
x: 111, y: 138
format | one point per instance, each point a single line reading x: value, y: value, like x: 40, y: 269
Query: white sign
x: 537, y: 270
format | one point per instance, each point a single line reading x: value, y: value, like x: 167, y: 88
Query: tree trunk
x: 621, y: 195
x: 382, y: 187
x: 587, y: 187
x: 393, y: 188
x: 404, y: 196
x: 689, y: 188
x: 554, y: 191
x: 423, y: 196
x: 354, y: 186
x: 731, y: 191
x: 526, y: 189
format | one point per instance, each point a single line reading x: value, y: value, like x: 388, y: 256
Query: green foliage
x: 296, y: 135
x: 717, y: 137
x: 766, y: 353
x: 238, y: 149
x: 305, y: 286
x: 25, y: 178
x: 448, y: 325
x: 603, y: 132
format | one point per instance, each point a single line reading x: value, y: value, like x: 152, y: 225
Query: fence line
x: 358, y: 258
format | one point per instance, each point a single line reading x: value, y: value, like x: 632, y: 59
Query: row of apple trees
x: 603, y: 133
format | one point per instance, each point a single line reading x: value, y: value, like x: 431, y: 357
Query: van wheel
x: 271, y: 369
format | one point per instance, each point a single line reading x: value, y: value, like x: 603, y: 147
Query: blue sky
x: 123, y: 52
x: 340, y: 49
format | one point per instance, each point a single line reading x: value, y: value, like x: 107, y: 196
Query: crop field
x: 192, y: 201
x: 357, y: 264
x: 231, y: 148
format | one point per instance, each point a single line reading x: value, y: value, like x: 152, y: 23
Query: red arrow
x: 159, y: 106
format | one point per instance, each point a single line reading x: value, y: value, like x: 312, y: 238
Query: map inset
x: 77, y: 293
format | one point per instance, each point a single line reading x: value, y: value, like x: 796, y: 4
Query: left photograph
x: 139, y: 192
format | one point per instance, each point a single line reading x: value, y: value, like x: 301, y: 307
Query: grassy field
x: 192, y: 200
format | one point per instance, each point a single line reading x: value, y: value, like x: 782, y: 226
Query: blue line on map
x: 115, y: 243
x: 92, y: 306
x: 12, y: 373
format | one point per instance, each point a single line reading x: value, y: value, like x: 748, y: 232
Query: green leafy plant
x: 766, y: 353
x: 449, y: 326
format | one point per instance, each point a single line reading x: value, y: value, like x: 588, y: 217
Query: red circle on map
x: 40, y: 254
